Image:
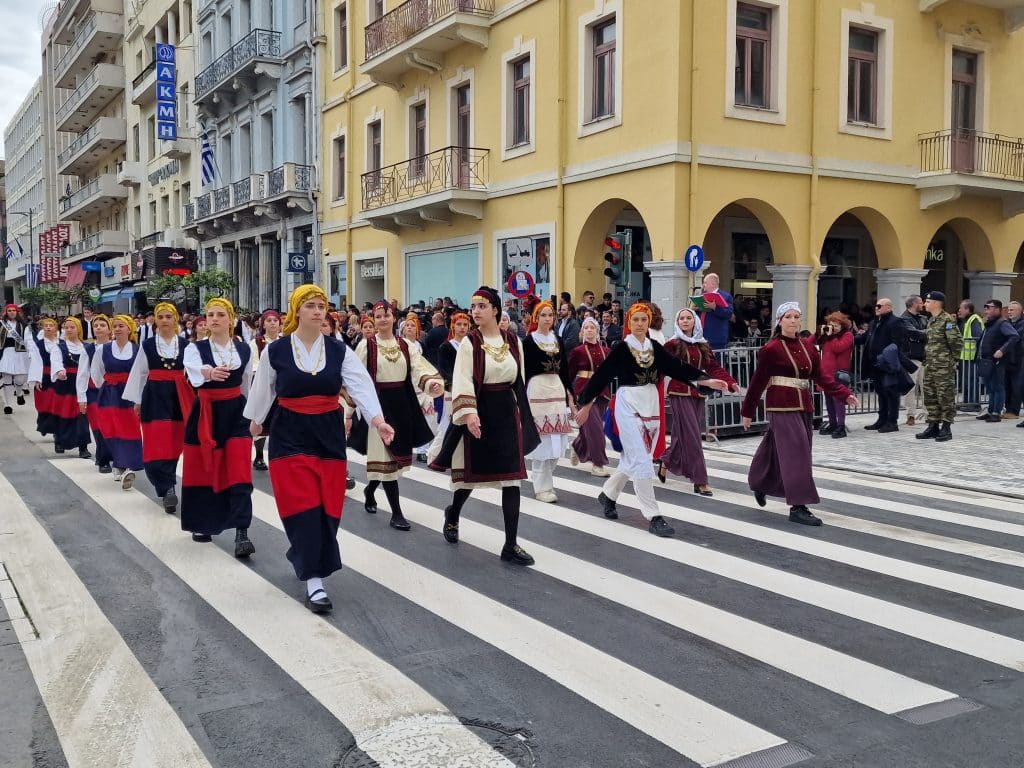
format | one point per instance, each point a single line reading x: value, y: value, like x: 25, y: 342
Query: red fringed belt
x: 207, y: 396
x: 311, y: 404
x: 186, y: 395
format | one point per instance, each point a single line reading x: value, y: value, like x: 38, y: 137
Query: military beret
x: 935, y: 296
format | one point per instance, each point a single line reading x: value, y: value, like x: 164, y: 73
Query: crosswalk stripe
x: 936, y: 630
x: 362, y: 691
x: 104, y: 706
x: 860, y: 681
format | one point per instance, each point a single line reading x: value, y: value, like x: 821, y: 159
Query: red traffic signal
x: 613, y: 242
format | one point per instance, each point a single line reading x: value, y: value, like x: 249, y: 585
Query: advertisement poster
x: 531, y: 255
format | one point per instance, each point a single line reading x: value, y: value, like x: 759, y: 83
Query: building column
x: 897, y: 284
x: 990, y: 285
x: 266, y: 276
x: 670, y: 286
x: 790, y: 283
x: 172, y: 28
x: 242, y: 279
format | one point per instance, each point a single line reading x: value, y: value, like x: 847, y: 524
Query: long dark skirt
x: 782, y: 464
x: 685, y: 454
x: 70, y: 425
x: 589, y: 444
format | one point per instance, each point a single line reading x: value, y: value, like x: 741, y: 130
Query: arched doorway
x: 615, y: 216
x: 849, y: 257
x: 1017, y: 289
x: 958, y: 247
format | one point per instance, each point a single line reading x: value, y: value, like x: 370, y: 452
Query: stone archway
x: 588, y: 264
x: 857, y: 243
x: 958, y: 251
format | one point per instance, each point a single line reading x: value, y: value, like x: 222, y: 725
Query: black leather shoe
x: 993, y: 418
x: 451, y: 533
x: 662, y: 472
x: 1021, y: 425
x: 930, y: 433
x: 945, y: 433
x: 243, y: 547
x: 57, y: 448
x: 170, y: 502
x: 702, y: 490
x: 319, y: 602
x: 21, y: 400
x: 801, y: 514
x: 369, y: 503
x: 399, y: 523
x: 983, y: 417
x: 876, y: 425
x: 350, y: 484
x: 260, y: 464
x: 105, y: 469
x: 827, y: 429
x: 8, y: 410
x: 516, y: 555
x: 202, y: 538
x: 760, y: 498
x: 659, y: 527
x: 421, y: 458
x: 608, y: 507
x: 888, y: 428
x: 838, y: 433
x: 84, y: 453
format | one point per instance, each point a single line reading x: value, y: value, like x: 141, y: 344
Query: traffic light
x: 618, y: 261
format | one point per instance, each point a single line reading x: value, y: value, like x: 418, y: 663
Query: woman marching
x: 583, y: 362
x: 685, y: 455
x: 639, y: 364
x: 216, y: 482
x: 492, y: 428
x: 394, y: 366
x: 303, y: 372
x: 44, y: 357
x: 163, y: 399
x: 786, y: 367
x: 458, y: 327
x: 88, y: 392
x: 549, y: 388
x: 411, y: 334
x: 14, y: 357
x: 71, y: 427
x: 122, y: 433
x: 269, y: 331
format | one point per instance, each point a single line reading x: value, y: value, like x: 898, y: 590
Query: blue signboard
x: 297, y: 262
x: 694, y: 258
x: 166, y: 97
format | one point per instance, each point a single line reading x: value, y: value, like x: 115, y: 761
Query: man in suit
x: 884, y: 330
x: 434, y: 338
x: 715, y: 318
x: 611, y: 332
x: 147, y: 328
x: 568, y: 327
x: 87, y: 316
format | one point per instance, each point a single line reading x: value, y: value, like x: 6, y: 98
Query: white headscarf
x: 590, y: 321
x: 698, y: 329
x: 785, y: 307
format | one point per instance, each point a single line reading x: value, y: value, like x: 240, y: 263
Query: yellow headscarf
x: 78, y: 325
x: 220, y: 301
x: 133, y: 329
x: 166, y: 306
x: 300, y: 296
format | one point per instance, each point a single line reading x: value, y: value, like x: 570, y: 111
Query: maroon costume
x: 589, y: 444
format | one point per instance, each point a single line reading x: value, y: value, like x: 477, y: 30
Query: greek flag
x: 9, y: 252
x: 207, y: 162
x: 32, y: 276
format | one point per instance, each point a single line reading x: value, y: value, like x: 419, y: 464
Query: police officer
x: 942, y: 351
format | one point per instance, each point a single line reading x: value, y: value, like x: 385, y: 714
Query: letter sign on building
x: 166, y: 101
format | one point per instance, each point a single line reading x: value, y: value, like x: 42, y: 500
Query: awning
x: 76, y: 276
x: 110, y: 294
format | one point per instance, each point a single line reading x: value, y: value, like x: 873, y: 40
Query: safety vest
x: 970, y: 343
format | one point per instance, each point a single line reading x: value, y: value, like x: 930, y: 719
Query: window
x: 374, y: 153
x: 340, y: 37
x: 376, y: 9
x: 603, y: 99
x: 753, y: 55
x: 862, y: 76
x: 418, y: 140
x: 520, y: 133
x: 339, y: 168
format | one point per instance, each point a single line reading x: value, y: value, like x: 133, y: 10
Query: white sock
x: 312, y: 585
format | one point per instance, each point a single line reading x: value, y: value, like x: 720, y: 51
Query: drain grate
x: 776, y: 757
x: 932, y: 713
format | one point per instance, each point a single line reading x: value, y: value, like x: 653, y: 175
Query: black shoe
x: 516, y: 555
x: 983, y: 417
x: 170, y: 502
x: 608, y: 507
x: 930, y: 433
x: 838, y: 432
x: 662, y: 472
x: 202, y: 538
x: 369, y: 503
x: 945, y: 433
x: 760, y: 498
x: 702, y: 490
x: 1021, y: 425
x: 8, y: 410
x: 827, y: 429
x: 888, y: 428
x: 876, y: 425
x: 659, y: 527
x: 801, y: 514
x: 350, y: 484
x: 105, y: 469
x: 84, y: 453
x: 319, y: 602
x: 993, y: 418
x: 243, y: 547
x: 21, y: 400
x: 260, y: 464
x: 421, y: 457
x: 451, y: 532
x: 57, y: 448
x: 399, y: 523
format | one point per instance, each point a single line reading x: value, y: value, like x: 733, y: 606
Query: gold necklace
x: 296, y: 354
x: 391, y: 353
x: 496, y: 353
x: 167, y: 362
x: 220, y: 358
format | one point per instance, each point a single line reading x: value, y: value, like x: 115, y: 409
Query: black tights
x: 391, y: 491
x: 509, y: 510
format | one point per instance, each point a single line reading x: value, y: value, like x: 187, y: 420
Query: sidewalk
x: 980, y: 457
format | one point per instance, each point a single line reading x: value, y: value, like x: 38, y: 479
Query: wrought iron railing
x: 242, y: 190
x: 153, y: 238
x: 190, y: 213
x: 84, y: 245
x: 446, y: 169
x: 75, y: 146
x: 973, y: 152
x: 76, y: 96
x: 289, y: 178
x: 204, y: 204
x: 412, y: 17
x: 137, y: 80
x: 221, y: 199
x: 258, y: 44
x: 79, y: 197
x: 87, y: 28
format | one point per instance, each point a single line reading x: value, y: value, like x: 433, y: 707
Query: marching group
x: 295, y: 397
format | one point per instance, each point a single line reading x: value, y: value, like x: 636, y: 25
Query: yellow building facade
x: 824, y: 151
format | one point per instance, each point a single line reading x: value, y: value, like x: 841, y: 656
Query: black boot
x: 451, y: 525
x: 827, y: 429
x: 170, y: 500
x: 930, y: 433
x: 58, y: 448
x: 8, y: 410
x: 608, y: 507
x: 760, y: 498
x: 369, y: 502
x: 84, y: 453
x: 801, y: 514
x: 839, y: 432
x: 243, y: 547
x: 945, y: 433
x: 21, y: 399
x: 398, y: 521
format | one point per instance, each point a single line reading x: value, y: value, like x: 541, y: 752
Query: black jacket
x: 883, y: 331
x: 915, y: 326
x: 432, y: 342
x: 999, y: 334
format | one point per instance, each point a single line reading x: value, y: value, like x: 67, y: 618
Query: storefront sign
x: 371, y: 270
x: 166, y: 100
x: 164, y: 172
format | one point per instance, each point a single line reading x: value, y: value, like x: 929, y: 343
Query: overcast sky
x: 19, y: 54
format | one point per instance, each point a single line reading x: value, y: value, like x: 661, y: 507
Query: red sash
x: 311, y: 404
x: 186, y: 395
x: 115, y: 378
x: 206, y: 442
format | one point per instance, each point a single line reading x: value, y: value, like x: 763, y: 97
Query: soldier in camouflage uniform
x: 942, y: 351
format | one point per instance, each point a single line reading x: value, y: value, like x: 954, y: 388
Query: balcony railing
x: 451, y: 168
x: 73, y: 201
x: 221, y: 199
x: 204, y: 204
x: 137, y: 80
x: 153, y: 238
x: 258, y: 44
x: 75, y: 146
x: 412, y: 17
x: 190, y: 213
x: 972, y: 152
x: 103, y: 241
x: 288, y: 179
x: 86, y: 29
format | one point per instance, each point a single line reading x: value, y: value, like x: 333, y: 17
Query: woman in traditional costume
x: 639, y: 363
x: 163, y: 399
x: 216, y: 484
x: 786, y: 368
x: 584, y: 360
x: 302, y: 373
x: 549, y: 388
x: 44, y: 357
x: 396, y: 369
x: 411, y: 333
x: 14, y: 357
x: 88, y: 392
x: 685, y: 454
x: 491, y: 428
x: 71, y: 427
x: 268, y: 331
x: 118, y: 422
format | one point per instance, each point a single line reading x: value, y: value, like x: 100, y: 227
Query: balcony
x: 167, y: 238
x: 960, y: 162
x: 98, y: 35
x: 103, y: 243
x: 96, y: 196
x: 102, y: 138
x: 416, y: 34
x: 70, y: 14
x: 428, y: 188
x: 144, y: 85
x: 256, y: 198
x: 130, y: 173
x: 174, y: 150
x: 238, y: 71
x: 1013, y: 10
x: 91, y: 97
